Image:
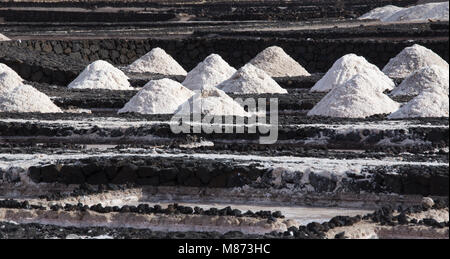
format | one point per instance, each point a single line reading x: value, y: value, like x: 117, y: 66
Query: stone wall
x: 59, y: 61
x: 314, y: 55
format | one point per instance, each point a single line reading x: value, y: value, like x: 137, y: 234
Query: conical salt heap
x: 158, y: 97
x: 4, y: 38
x: 9, y: 79
x: 430, y: 103
x: 251, y: 80
x: 412, y: 59
x: 423, y: 12
x: 212, y: 101
x: 381, y: 13
x: 346, y: 68
x: 277, y: 63
x: 423, y: 79
x: 157, y: 61
x: 26, y: 98
x: 359, y: 97
x: 101, y: 75
x: 18, y: 97
x: 208, y: 73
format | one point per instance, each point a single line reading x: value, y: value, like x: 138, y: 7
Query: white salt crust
x: 251, y: 80
x: 25, y: 98
x: 277, y: 63
x: 430, y: 103
x: 212, y: 101
x: 157, y: 61
x: 209, y: 73
x: 346, y: 68
x: 158, y: 97
x: 4, y: 38
x: 428, y: 78
x: 9, y: 79
x: 411, y: 59
x: 101, y: 75
x: 424, y: 12
x: 357, y: 98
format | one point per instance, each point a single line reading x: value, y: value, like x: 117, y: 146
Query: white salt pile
x: 209, y: 73
x: 346, y: 68
x: 212, y: 101
x: 411, y: 59
x: 359, y: 97
x: 423, y: 79
x: 251, y: 80
x: 381, y: 13
x: 430, y: 103
x: 277, y: 63
x: 15, y: 96
x: 101, y: 75
x: 18, y: 97
x: 157, y: 61
x: 26, y: 98
x: 424, y: 12
x: 431, y: 11
x: 4, y: 38
x: 8, y: 78
x: 158, y: 97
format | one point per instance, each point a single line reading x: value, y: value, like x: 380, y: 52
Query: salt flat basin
x: 302, y: 215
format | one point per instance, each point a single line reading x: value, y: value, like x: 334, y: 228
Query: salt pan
x: 411, y: 59
x: 158, y: 97
x: 212, y: 101
x: 426, y: 78
x: 157, y: 61
x: 357, y: 98
x: 430, y: 103
x: 251, y: 80
x: 101, y: 75
x: 346, y: 68
x: 209, y: 73
x: 277, y: 63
